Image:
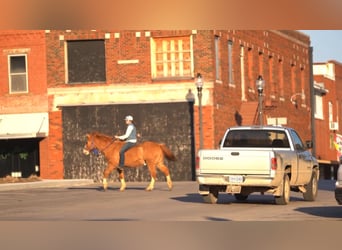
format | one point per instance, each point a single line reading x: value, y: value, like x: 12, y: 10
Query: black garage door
x: 169, y: 123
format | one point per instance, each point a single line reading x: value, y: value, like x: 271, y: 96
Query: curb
x: 45, y: 184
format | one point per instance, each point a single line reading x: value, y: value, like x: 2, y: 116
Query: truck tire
x: 212, y: 197
x: 284, y: 198
x: 311, y: 188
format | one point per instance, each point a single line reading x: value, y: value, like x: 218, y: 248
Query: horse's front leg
x: 106, y: 173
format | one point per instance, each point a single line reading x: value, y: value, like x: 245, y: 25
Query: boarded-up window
x: 86, y: 61
x: 172, y: 57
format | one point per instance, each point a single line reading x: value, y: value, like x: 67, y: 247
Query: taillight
x: 273, y: 163
x: 197, y: 162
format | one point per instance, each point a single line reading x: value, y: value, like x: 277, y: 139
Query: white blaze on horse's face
x: 85, y: 151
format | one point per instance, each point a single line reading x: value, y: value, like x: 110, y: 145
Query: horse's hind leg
x: 165, y: 170
x: 153, y: 173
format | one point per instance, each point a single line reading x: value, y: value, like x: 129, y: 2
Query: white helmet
x: 129, y: 118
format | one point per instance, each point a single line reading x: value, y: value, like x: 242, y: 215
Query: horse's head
x: 97, y: 142
x: 90, y: 145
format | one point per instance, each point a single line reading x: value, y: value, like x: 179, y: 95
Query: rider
x: 130, y: 138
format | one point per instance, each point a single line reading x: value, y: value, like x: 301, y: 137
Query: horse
x: 147, y: 153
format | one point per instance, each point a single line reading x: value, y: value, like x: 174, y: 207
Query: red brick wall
x: 31, y: 43
x: 54, y: 153
x: 259, y: 47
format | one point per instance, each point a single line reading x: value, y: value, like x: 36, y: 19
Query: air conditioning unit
x: 333, y: 125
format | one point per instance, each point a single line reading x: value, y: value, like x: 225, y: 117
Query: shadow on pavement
x: 325, y: 211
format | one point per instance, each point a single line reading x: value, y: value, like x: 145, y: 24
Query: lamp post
x: 199, y: 85
x: 260, y: 83
x: 190, y: 97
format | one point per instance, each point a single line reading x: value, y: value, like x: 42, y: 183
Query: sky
x: 327, y: 44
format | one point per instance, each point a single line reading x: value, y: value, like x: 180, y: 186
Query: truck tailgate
x: 239, y: 161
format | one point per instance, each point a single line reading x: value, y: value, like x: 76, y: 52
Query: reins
x: 101, y: 150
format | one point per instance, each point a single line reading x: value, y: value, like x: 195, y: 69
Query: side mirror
x: 309, y: 144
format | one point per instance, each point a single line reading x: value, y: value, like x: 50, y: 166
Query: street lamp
x: 190, y: 97
x: 260, y: 83
x: 199, y: 85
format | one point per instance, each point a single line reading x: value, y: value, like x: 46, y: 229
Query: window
x: 281, y: 77
x: 86, y: 61
x: 242, y: 70
x: 18, y: 74
x: 230, y: 62
x: 256, y: 139
x: 172, y: 57
x: 319, y: 107
x: 217, y: 58
x: 330, y: 107
x: 298, y: 144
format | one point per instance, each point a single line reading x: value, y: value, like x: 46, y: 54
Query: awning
x: 29, y: 125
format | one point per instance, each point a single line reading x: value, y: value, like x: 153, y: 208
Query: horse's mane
x: 98, y: 134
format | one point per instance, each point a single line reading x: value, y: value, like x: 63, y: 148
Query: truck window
x: 256, y: 138
x: 297, y: 142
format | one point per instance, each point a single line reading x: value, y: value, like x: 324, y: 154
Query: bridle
x: 95, y: 150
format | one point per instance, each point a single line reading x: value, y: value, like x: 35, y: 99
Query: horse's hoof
x: 170, y: 186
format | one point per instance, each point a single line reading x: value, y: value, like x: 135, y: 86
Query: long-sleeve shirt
x: 130, y: 135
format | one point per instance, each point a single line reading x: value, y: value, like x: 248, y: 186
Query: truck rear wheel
x: 284, y: 198
x: 212, y: 197
x: 311, y: 188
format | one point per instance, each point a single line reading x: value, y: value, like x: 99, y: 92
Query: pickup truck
x: 264, y: 159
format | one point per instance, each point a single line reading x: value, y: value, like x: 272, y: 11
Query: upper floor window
x: 86, y: 61
x: 18, y: 74
x: 319, y: 107
x: 217, y: 58
x: 230, y: 62
x: 172, y: 57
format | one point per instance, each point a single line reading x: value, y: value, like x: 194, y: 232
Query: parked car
x: 338, y: 185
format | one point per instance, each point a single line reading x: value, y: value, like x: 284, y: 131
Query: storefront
x: 20, y: 135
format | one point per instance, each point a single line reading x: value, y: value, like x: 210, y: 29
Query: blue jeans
x: 123, y: 149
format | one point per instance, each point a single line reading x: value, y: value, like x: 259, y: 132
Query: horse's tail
x: 167, y: 152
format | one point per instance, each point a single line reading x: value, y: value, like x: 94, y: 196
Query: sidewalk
x: 45, y: 184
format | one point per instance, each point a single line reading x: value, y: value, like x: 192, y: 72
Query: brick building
x: 23, y: 102
x: 328, y: 115
x: 95, y: 77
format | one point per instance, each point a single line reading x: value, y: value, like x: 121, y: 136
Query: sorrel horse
x: 146, y: 153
